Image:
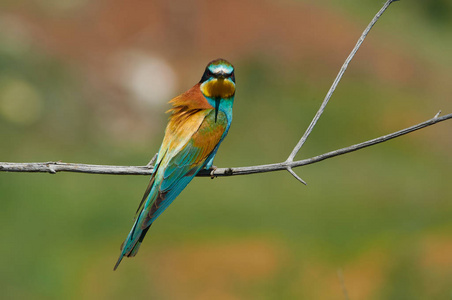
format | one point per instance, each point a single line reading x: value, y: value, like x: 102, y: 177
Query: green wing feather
x: 184, y: 152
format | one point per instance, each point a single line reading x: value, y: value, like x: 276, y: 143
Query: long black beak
x: 217, y: 107
x: 221, y: 75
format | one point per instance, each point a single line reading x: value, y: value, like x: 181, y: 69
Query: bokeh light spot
x: 145, y: 77
x: 20, y: 102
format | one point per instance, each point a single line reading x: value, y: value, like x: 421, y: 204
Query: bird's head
x: 218, y: 83
x: 218, y: 80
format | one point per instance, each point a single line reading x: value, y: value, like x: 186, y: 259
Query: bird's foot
x: 212, y: 175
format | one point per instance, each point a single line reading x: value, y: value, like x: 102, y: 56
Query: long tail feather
x: 131, y: 245
x: 118, y: 262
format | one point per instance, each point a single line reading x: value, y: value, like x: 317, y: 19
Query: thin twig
x: 342, y: 282
x: 333, y: 88
x: 54, y: 167
x: 437, y: 114
x: 152, y: 161
x: 336, y: 81
x: 289, y: 168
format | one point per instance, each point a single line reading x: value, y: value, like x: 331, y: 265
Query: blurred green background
x: 88, y: 81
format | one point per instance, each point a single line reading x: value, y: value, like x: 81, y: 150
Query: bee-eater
x: 199, y: 121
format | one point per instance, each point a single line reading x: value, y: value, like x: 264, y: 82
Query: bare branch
x: 289, y: 169
x: 437, y: 114
x: 308, y: 161
x: 152, y: 161
x: 54, y: 167
x: 342, y: 282
x: 336, y: 81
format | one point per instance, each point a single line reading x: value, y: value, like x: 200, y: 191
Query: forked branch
x: 333, y: 88
x: 54, y: 167
x: 289, y: 164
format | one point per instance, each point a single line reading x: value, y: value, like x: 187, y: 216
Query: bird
x: 199, y: 121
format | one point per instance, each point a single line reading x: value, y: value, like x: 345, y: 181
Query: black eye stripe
x: 209, y: 74
x: 226, y: 75
x: 232, y: 76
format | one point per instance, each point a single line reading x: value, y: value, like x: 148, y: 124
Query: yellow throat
x: 218, y: 88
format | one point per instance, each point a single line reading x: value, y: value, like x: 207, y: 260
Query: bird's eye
x: 207, y: 74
